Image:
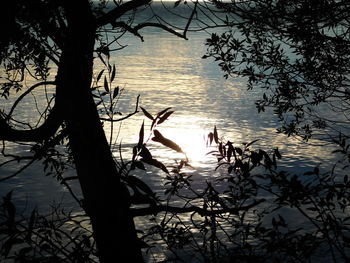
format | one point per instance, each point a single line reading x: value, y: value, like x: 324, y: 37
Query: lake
x: 167, y: 71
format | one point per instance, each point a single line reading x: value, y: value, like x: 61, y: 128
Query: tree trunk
x: 106, y: 199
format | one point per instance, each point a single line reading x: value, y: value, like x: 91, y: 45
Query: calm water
x: 167, y: 71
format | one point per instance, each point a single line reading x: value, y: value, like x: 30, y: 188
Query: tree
x: 48, y: 34
x: 297, y: 52
x: 61, y: 38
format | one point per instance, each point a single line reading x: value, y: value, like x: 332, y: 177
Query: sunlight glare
x: 192, y: 141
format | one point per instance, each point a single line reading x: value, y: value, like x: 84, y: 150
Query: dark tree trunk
x: 106, y: 199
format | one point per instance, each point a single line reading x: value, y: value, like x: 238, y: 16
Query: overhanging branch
x: 164, y: 27
x: 135, y: 30
x: 46, y: 130
x: 191, y: 209
x: 14, y: 105
x: 118, y: 11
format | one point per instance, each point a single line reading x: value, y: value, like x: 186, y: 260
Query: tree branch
x: 46, y: 130
x: 118, y: 11
x: 164, y: 27
x: 125, y: 117
x: 203, y: 212
x: 134, y: 30
x: 14, y: 105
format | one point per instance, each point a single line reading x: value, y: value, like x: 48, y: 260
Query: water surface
x: 167, y: 71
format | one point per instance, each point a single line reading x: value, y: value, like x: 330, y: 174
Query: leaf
x: 145, y: 154
x: 139, y: 165
x: 230, y: 151
x: 278, y: 154
x: 251, y: 143
x: 113, y: 73
x: 165, y: 116
x: 158, y: 116
x: 162, y: 112
x: 156, y: 163
x: 141, y: 136
x: 211, y: 137
x: 99, y: 75
x: 106, y: 85
x: 101, y: 58
x: 136, y: 182
x: 115, y: 92
x: 177, y: 3
x: 158, y: 137
x: 239, y: 151
x: 216, y: 137
x: 147, y: 114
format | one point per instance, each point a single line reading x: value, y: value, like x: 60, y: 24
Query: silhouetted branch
x: 134, y: 30
x: 46, y: 130
x: 127, y: 116
x: 190, y: 209
x: 18, y: 171
x: 127, y: 28
x: 150, y: 24
x: 14, y: 105
x: 118, y: 11
x: 190, y: 19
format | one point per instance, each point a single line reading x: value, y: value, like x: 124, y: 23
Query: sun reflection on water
x: 192, y: 142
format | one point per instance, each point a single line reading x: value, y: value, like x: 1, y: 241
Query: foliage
x: 239, y: 215
x: 48, y: 47
x: 246, y: 212
x: 250, y: 213
x: 297, y: 52
x: 55, y: 237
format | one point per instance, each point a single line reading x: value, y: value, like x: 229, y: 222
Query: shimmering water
x: 167, y: 71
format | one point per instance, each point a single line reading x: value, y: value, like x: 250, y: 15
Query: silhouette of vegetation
x: 298, y: 53
x: 54, y: 45
x: 246, y: 214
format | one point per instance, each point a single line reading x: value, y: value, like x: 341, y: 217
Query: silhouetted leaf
x: 177, y: 3
x: 115, y: 92
x: 159, y: 116
x: 106, y: 85
x: 113, y: 73
x: 239, y: 150
x: 147, y: 114
x: 216, y: 137
x: 141, y: 136
x: 158, y: 137
x: 145, y: 153
x: 162, y: 112
x: 156, y: 163
x: 278, y: 154
x: 165, y: 116
x: 99, y: 75
x: 139, y: 165
x: 136, y: 182
x: 229, y: 153
x: 101, y: 58
x: 211, y: 137
x: 248, y: 144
